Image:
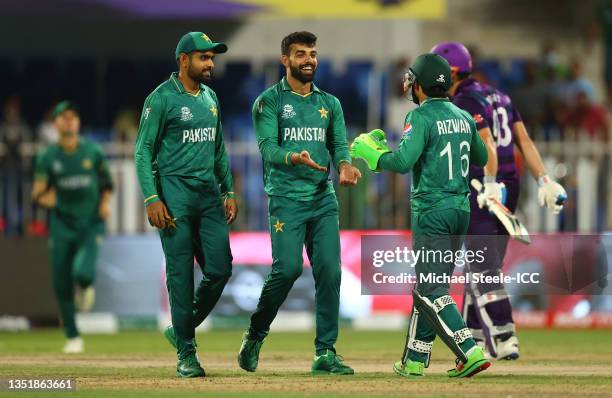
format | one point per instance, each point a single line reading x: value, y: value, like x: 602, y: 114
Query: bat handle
x: 477, y: 185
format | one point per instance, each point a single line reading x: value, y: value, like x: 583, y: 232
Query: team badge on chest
x: 288, y: 112
x: 87, y: 164
x: 186, y: 114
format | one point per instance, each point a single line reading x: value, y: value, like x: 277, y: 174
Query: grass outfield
x: 141, y: 364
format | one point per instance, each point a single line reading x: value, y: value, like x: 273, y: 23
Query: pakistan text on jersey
x: 316, y: 134
x: 450, y: 126
x: 199, y: 134
x: 75, y: 182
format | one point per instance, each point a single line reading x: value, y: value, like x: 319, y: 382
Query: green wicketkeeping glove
x: 370, y: 147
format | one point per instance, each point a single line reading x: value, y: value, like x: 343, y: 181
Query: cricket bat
x: 515, y: 228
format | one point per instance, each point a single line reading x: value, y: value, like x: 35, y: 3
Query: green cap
x: 63, y: 106
x: 432, y: 70
x: 198, y: 41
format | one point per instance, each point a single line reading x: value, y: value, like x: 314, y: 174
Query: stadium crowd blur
x: 556, y: 100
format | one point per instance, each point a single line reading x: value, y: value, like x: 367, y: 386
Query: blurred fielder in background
x: 72, y: 179
x: 440, y: 142
x: 489, y: 316
x: 300, y: 128
x: 181, y: 161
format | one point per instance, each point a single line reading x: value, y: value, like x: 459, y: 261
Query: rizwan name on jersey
x: 451, y: 126
x: 199, y: 134
x: 316, y: 134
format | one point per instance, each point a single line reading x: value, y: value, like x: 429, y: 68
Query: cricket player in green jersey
x: 72, y: 179
x: 300, y: 129
x: 184, y: 174
x: 440, y: 142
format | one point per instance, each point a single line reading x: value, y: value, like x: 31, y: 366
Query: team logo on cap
x: 186, y: 114
x: 440, y: 79
x: 288, y: 112
x: 206, y: 38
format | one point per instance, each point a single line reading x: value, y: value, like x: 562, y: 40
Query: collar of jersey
x: 434, y: 99
x: 179, y: 86
x: 285, y: 86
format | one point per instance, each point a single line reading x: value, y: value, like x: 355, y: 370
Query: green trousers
x: 294, y: 224
x: 74, y: 252
x: 202, y: 233
x: 437, y: 231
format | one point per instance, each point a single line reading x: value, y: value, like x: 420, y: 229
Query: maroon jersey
x: 491, y: 108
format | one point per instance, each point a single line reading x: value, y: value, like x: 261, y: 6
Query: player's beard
x: 199, y: 75
x: 296, y: 72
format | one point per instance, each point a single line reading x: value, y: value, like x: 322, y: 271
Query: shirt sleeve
x: 222, y: 170
x: 410, y: 149
x: 475, y: 109
x: 151, y: 125
x: 41, y: 167
x: 265, y: 122
x: 478, y: 152
x: 105, y: 180
x: 336, y: 142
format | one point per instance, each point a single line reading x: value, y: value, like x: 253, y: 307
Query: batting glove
x: 492, y: 190
x: 551, y: 194
x: 370, y: 147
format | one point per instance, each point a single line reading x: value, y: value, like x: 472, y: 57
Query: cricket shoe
x: 85, y: 298
x: 74, y: 346
x: 485, y: 349
x: 171, y: 337
x: 330, y: 363
x: 508, y: 349
x: 409, y: 369
x: 189, y: 367
x: 248, y: 357
x: 476, y: 363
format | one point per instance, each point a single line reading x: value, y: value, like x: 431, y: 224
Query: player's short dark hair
x: 302, y: 37
x: 463, y: 75
x: 435, y: 92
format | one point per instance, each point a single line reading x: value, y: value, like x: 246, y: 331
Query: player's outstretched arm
x: 490, y: 168
x: 265, y: 122
x: 550, y: 194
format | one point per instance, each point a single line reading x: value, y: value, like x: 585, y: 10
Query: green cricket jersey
x: 78, y: 178
x: 180, y: 135
x: 287, y: 122
x: 439, y: 142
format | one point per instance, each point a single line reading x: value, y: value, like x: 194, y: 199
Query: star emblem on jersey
x: 186, y: 114
x: 440, y: 79
x: 87, y: 164
x: 278, y: 227
x: 323, y: 112
x: 213, y: 110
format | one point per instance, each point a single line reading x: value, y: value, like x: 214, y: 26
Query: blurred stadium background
x: 107, y: 55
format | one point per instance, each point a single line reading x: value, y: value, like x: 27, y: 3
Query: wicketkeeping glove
x: 493, y: 190
x: 551, y: 194
x: 370, y: 147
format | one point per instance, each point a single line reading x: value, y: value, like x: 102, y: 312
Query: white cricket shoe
x: 74, y: 346
x: 508, y: 349
x: 85, y: 298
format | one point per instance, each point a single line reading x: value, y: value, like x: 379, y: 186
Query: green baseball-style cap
x: 432, y: 70
x: 198, y: 41
x: 63, y: 106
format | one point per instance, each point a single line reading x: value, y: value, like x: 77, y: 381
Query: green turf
x: 105, y: 369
